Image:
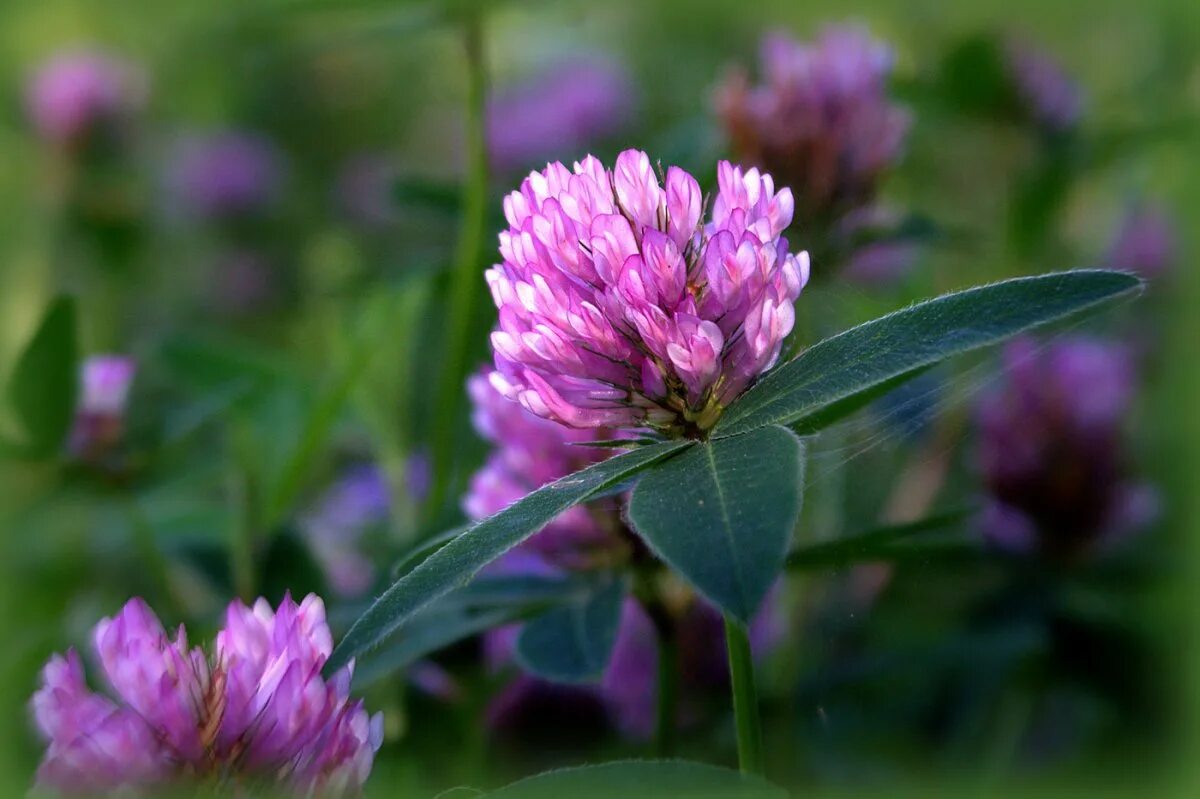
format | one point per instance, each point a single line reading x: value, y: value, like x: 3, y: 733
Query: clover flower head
x: 621, y: 307
x: 1048, y: 95
x: 1051, y: 448
x: 530, y: 452
x: 1146, y: 242
x: 821, y: 121
x: 255, y: 709
x: 572, y: 104
x: 227, y: 174
x: 75, y: 95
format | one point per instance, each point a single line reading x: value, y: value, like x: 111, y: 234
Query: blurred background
x: 263, y: 213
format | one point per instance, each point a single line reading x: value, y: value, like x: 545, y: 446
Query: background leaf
x: 662, y: 779
x: 461, y: 558
x: 862, y: 358
x: 722, y: 514
x: 573, y: 643
x: 45, y: 380
x: 877, y: 544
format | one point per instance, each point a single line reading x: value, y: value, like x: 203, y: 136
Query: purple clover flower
x: 1051, y: 449
x: 1146, y: 242
x: 530, y: 452
x: 358, y: 501
x: 1048, y: 95
x: 74, y: 96
x: 257, y: 708
x: 821, y: 121
x: 564, y: 109
x: 227, y: 175
x: 618, y: 308
x: 105, y: 382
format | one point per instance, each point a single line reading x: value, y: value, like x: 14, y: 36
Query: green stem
x: 668, y: 692
x: 745, y: 698
x: 466, y: 280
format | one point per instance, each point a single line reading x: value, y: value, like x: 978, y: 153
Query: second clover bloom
x: 621, y: 307
x: 821, y: 120
x: 256, y: 708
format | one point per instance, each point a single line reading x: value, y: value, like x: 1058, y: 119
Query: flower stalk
x: 464, y: 282
x: 745, y: 698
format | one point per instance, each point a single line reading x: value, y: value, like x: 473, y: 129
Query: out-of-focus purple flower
x: 566, y: 108
x: 1051, y: 449
x: 628, y: 689
x: 76, y: 95
x: 1048, y: 95
x: 105, y: 381
x: 256, y: 708
x: 226, y: 175
x: 363, y: 192
x: 1146, y: 242
x: 882, y: 259
x: 620, y: 308
x: 530, y: 452
x: 821, y: 121
x: 357, y: 502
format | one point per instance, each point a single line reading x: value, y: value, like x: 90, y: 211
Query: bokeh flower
x: 1146, y: 242
x: 343, y: 515
x: 224, y: 175
x: 565, y: 108
x: 1051, y: 449
x: 530, y: 452
x: 76, y: 96
x: 1046, y: 93
x: 821, y: 122
x: 620, y: 308
x: 255, y: 709
x: 105, y: 382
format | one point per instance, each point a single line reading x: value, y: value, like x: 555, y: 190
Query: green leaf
x: 722, y: 514
x: 661, y: 779
x: 427, y: 633
x: 423, y: 549
x: 574, y: 643
x: 456, y: 562
x: 877, y: 544
x: 860, y: 359
x: 45, y: 380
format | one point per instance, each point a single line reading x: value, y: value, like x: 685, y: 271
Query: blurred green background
x: 341, y: 351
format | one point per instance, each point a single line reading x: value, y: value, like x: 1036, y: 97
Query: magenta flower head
x: 1046, y: 93
x: 226, y: 175
x: 105, y: 381
x: 530, y: 452
x: 359, y: 501
x: 567, y: 107
x: 75, y: 96
x: 620, y: 307
x: 1051, y: 449
x: 254, y: 710
x: 821, y: 121
x: 1146, y: 242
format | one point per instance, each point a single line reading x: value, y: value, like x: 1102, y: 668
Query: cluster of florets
x: 821, y: 121
x: 257, y: 709
x: 1051, y: 449
x: 620, y: 307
